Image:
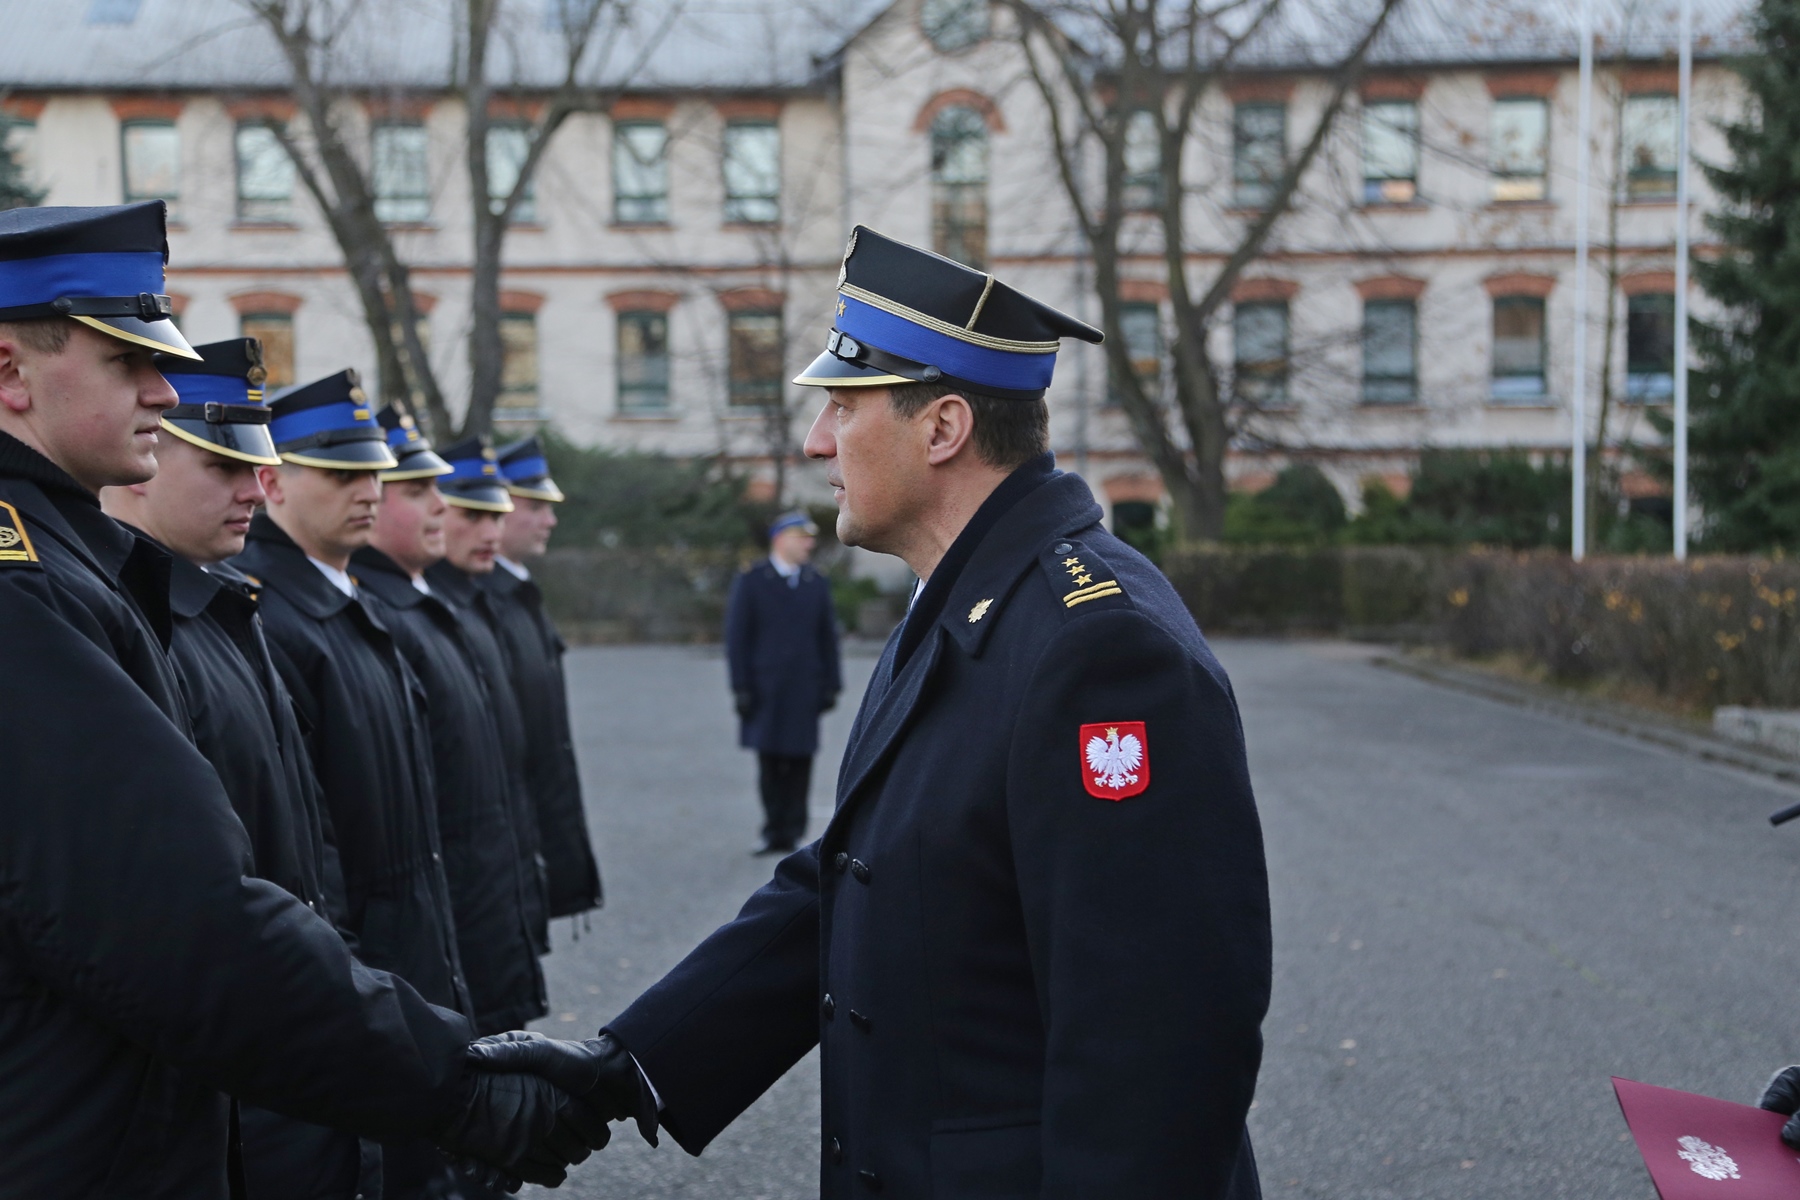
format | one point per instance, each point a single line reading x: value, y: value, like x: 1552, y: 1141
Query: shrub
x: 1471, y: 497
x: 632, y: 499
x: 1301, y: 508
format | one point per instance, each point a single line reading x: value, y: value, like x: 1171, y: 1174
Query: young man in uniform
x: 534, y: 658
x: 473, y: 786
x: 1033, y: 943
x: 144, y: 970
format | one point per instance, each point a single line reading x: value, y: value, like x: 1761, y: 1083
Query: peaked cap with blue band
x: 327, y: 423
x: 474, y: 480
x: 417, y: 459
x: 221, y: 407
x: 906, y: 315
x: 527, y: 471
x: 100, y: 266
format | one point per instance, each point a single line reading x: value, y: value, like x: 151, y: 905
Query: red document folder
x: 1698, y: 1148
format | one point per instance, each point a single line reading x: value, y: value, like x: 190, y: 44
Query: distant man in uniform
x: 199, y: 507
x: 1033, y: 943
x: 145, y: 972
x: 534, y: 657
x: 781, y: 644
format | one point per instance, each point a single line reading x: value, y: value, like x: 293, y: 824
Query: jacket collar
x: 279, y: 563
x: 386, y: 578
x: 193, y: 589
x: 456, y: 585
x: 19, y: 461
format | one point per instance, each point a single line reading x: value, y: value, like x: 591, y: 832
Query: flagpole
x: 1578, y: 389
x: 1684, y: 91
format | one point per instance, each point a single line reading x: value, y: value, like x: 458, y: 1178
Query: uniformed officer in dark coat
x: 781, y: 645
x: 144, y: 970
x: 473, y: 785
x: 534, y: 657
x: 199, y: 507
x: 1033, y: 942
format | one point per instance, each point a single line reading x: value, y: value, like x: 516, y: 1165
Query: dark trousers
x: 785, y: 779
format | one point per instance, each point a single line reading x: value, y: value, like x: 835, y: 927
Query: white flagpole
x: 1683, y: 91
x: 1578, y: 388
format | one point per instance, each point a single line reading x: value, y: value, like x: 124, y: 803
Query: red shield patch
x: 1115, y: 759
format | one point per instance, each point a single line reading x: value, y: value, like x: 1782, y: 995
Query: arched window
x: 959, y: 175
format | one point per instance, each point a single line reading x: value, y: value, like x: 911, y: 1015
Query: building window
x: 641, y: 173
x: 1390, y: 340
x: 1140, y: 325
x: 1258, y: 152
x: 1142, y: 152
x: 508, y: 145
x: 756, y: 358
x: 518, y: 399
x: 152, y: 161
x: 276, y: 333
x: 1521, y: 148
x: 1259, y: 341
x: 752, y: 163
x: 1650, y: 348
x: 265, y: 175
x: 402, y: 172
x: 954, y: 24
x: 113, y: 12
x: 959, y: 175
x: 18, y: 141
x: 1652, y: 147
x: 643, y: 362
x: 1518, y: 348
x: 1390, y: 152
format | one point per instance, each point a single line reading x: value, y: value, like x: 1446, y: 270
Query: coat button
x: 828, y: 1006
x: 861, y: 1022
x: 870, y: 1179
x: 860, y: 869
x: 1061, y: 548
x: 841, y: 862
x: 837, y: 1151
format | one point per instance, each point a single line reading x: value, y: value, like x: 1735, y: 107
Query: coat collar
x: 282, y: 565
x: 386, y: 578
x: 456, y: 585
x: 191, y: 588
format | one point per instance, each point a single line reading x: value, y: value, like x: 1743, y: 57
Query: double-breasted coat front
x: 1034, y: 967
x: 781, y: 642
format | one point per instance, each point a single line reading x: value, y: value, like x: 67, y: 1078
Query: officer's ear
x: 270, y: 478
x: 15, y: 396
x: 950, y: 427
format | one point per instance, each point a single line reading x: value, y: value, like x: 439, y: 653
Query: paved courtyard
x: 1480, y: 914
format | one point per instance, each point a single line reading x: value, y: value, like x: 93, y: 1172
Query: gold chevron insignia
x: 1106, y: 587
x: 979, y: 611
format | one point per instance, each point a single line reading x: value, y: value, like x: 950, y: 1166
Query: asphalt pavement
x: 1481, y: 914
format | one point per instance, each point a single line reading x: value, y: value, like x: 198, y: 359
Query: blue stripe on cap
x: 953, y: 356
x: 308, y: 421
x: 41, y: 280
x: 521, y: 469
x: 474, y: 470
x: 210, y: 389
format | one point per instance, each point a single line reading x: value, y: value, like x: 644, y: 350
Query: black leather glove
x: 599, y: 1072
x: 745, y: 702
x: 518, y: 1127
x: 829, y: 702
x: 1783, y: 1096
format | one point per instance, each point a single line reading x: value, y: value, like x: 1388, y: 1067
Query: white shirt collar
x: 783, y: 569
x: 420, y: 585
x: 518, y: 569
x: 339, y: 579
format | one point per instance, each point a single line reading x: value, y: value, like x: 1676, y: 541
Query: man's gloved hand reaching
x: 1783, y: 1096
x: 599, y: 1072
x: 518, y: 1127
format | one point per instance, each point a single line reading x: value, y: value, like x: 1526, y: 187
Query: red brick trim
x: 1513, y: 84
x: 1143, y: 291
x: 959, y: 98
x: 178, y: 302
x: 1519, y: 283
x: 514, y: 108
x: 1251, y: 291
x: 1654, y: 283
x: 25, y: 108
x: 1390, y: 287
x: 1269, y: 88
x: 641, y: 108
x: 257, y: 303
x: 423, y: 302
x: 643, y: 300
x: 261, y: 108
x: 1393, y: 87
x: 1144, y: 488
x: 752, y: 299
x: 749, y: 108
x: 512, y: 301
x: 403, y: 107
x: 1655, y: 80
x: 147, y: 108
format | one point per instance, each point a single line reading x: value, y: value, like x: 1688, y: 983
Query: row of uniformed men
x: 288, y: 827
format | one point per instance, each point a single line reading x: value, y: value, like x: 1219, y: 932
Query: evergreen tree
x: 15, y: 189
x: 1744, y: 439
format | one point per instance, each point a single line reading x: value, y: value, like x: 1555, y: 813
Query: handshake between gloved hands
x: 1782, y: 1095
x: 533, y: 1106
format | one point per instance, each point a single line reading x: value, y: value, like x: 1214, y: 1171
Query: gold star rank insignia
x: 979, y: 611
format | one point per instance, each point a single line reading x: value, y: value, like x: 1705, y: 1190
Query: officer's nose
x: 819, y: 441
x: 153, y: 390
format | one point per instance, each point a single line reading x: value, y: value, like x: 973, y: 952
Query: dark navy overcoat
x: 782, y: 645
x: 1026, y: 980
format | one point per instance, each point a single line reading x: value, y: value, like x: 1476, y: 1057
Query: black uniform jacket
x: 781, y: 643
x: 488, y: 885
x: 371, y: 750
x: 534, y: 659
x: 1021, y: 988
x: 474, y: 607
x: 143, y: 971
x: 245, y: 726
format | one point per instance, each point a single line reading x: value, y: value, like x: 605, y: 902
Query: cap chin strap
x: 221, y: 414
x: 144, y: 306
x: 847, y: 348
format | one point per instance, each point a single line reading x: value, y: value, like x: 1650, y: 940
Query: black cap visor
x: 245, y: 442
x: 538, y: 489
x: 483, y: 497
x: 419, y: 464
x: 363, y: 454
x: 830, y: 371
x: 160, y: 336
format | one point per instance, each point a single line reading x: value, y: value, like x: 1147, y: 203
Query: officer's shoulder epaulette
x: 16, y: 549
x: 1080, y: 579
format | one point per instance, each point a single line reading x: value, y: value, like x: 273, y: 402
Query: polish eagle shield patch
x: 1115, y: 759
